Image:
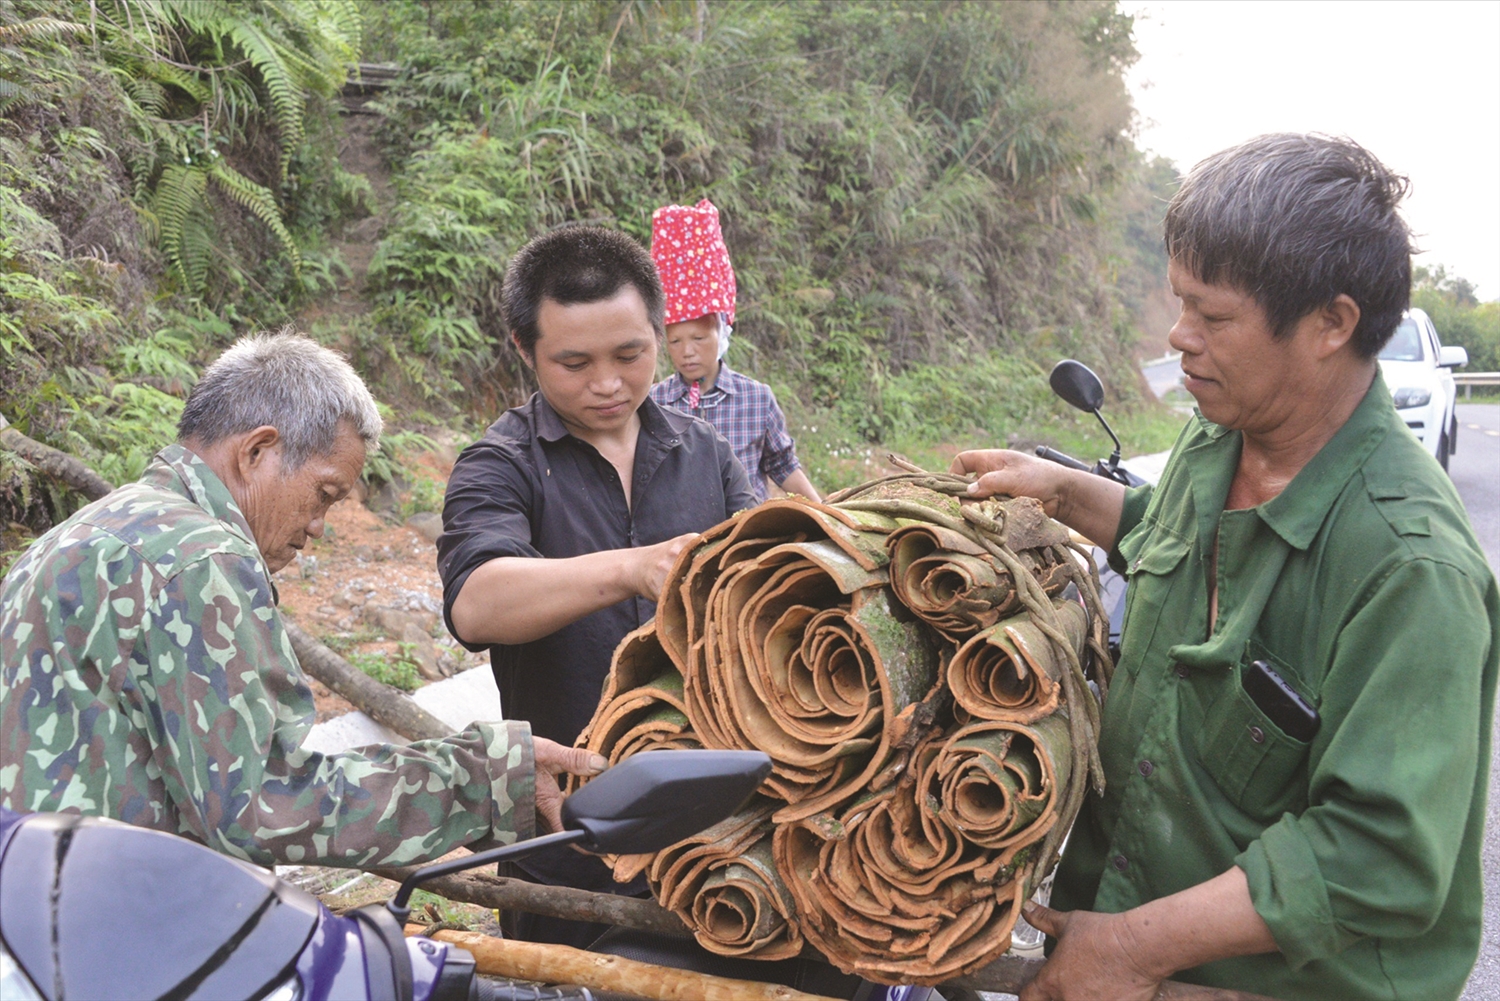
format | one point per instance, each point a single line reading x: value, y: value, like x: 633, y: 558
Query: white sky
x: 1418, y: 84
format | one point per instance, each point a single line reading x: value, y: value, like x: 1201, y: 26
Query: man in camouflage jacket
x: 145, y: 674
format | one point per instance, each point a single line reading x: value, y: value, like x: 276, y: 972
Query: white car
x: 1419, y: 372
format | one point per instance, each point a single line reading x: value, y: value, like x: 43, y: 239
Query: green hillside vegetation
x: 927, y: 204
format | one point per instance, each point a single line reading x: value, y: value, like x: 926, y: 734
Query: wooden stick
x: 1006, y: 975
x: 58, y: 465
x: 564, y: 902
x: 382, y: 703
x: 561, y: 964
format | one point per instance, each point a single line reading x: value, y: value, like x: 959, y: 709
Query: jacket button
x: 1183, y: 672
x: 1120, y: 862
x: 1258, y: 735
x: 1145, y: 768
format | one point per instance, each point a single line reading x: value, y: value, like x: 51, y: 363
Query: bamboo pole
x: 561, y: 964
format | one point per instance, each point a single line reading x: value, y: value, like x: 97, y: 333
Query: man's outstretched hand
x: 1010, y: 474
x: 1088, y: 504
x: 654, y: 563
x: 552, y: 759
x: 1097, y: 956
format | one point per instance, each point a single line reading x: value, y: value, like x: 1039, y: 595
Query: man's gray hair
x: 289, y: 382
x: 1294, y: 221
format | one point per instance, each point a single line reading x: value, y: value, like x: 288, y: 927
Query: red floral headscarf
x: 688, y: 248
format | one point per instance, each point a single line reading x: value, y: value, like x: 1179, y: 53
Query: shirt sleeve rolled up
x: 778, y: 458
x: 487, y: 515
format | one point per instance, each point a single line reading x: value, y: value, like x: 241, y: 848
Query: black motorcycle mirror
x: 1079, y: 387
x: 643, y: 804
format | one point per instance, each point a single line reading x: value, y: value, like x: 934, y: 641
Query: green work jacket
x: 1363, y: 585
x: 145, y: 676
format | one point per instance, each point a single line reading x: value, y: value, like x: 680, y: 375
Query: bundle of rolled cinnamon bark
x: 915, y: 668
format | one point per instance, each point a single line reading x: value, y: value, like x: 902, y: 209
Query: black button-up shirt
x: 529, y: 488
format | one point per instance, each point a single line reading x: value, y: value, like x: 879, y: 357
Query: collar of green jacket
x: 182, y: 471
x: 1299, y: 511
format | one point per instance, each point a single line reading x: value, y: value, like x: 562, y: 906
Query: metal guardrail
x: 1469, y: 380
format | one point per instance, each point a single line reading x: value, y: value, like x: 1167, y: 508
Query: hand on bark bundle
x: 553, y: 759
x: 1096, y: 957
x: 653, y: 563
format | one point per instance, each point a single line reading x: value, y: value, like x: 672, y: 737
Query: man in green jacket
x: 145, y: 674
x: 1297, y: 737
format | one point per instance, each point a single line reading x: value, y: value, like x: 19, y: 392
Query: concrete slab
x: 457, y: 701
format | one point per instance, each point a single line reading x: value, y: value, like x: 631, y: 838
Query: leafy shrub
x: 424, y: 494
x: 1459, y: 316
x: 902, y: 184
x: 398, y: 671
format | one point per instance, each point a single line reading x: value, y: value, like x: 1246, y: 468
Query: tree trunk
x: 58, y: 465
x: 382, y: 703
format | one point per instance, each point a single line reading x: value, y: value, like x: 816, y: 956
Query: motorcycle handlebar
x: 1053, y: 455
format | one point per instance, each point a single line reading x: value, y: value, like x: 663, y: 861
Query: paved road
x: 1163, y: 375
x: 1476, y: 472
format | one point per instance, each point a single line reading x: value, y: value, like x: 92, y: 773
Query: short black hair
x: 1295, y: 221
x: 572, y: 265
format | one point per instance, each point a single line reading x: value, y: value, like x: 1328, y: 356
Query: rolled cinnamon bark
x: 1000, y: 784
x: 1012, y: 670
x: 894, y: 653
x: 724, y: 885
x: 641, y: 707
x: 888, y: 889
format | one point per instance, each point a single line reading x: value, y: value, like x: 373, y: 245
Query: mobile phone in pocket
x: 1279, y: 701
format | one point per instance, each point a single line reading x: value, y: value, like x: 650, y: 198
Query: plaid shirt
x: 746, y: 413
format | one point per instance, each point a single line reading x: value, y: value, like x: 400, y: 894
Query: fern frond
x: 197, y: 246
x: 174, y: 76
x: 13, y: 95
x: 40, y: 27
x: 259, y: 202
x: 285, y: 92
x: 150, y: 95
x: 342, y: 20
x: 179, y: 191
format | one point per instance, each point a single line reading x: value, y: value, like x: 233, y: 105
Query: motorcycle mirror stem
x: 1080, y: 388
x: 643, y: 804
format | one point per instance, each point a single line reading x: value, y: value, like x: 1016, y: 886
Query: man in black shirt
x: 561, y: 523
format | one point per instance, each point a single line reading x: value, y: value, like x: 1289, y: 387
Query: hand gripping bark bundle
x: 917, y: 668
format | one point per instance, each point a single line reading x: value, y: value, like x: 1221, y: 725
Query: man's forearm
x: 517, y: 599
x: 1091, y: 506
x: 798, y: 483
x: 1211, y: 921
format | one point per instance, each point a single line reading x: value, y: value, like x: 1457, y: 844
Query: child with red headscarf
x: 688, y: 248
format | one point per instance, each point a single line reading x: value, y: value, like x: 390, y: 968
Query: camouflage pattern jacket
x: 145, y: 675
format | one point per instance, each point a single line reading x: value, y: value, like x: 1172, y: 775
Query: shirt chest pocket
x: 1151, y: 564
x: 1257, y: 766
